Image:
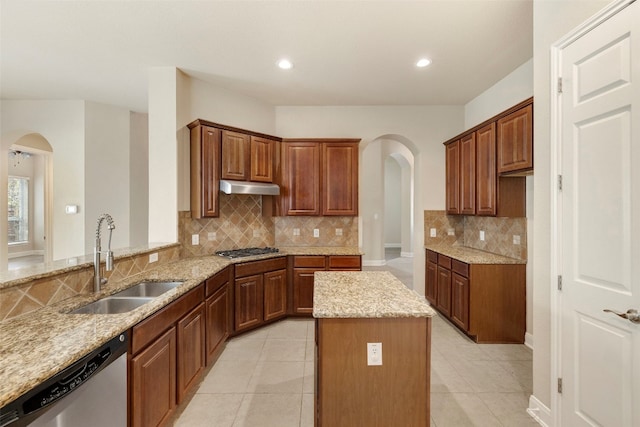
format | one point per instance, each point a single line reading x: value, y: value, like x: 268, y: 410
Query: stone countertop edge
x: 471, y: 255
x: 21, y: 276
x: 365, y: 294
x: 37, y: 345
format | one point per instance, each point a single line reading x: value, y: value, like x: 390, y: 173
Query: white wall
x: 62, y: 124
x: 551, y: 21
x: 139, y: 175
x: 106, y: 173
x: 392, y: 203
x: 422, y: 129
x: 510, y: 90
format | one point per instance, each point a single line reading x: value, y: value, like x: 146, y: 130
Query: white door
x: 599, y: 228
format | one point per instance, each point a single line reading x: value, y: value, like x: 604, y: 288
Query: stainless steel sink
x: 111, y: 305
x: 148, y: 289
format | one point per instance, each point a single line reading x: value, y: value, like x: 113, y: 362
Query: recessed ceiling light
x: 285, y: 64
x: 423, y: 62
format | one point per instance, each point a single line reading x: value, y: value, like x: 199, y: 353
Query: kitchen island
x: 388, y: 384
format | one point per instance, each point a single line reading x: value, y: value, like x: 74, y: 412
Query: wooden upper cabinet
x: 340, y: 179
x: 236, y: 155
x: 515, y: 141
x: 205, y: 171
x: 468, y: 174
x: 262, y: 156
x: 453, y: 177
x: 301, y: 178
x: 486, y: 185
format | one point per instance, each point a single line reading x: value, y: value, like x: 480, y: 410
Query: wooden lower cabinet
x: 304, y: 267
x: 486, y: 301
x: 275, y: 294
x: 190, y: 332
x: 153, y: 382
x: 260, y: 292
x: 217, y: 323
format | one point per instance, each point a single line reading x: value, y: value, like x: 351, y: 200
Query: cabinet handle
x: 631, y: 315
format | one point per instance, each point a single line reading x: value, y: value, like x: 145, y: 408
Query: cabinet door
x: 153, y: 382
x: 431, y: 282
x: 443, y: 302
x: 217, y: 315
x: 468, y: 174
x: 303, y: 290
x: 301, y: 178
x: 453, y: 177
x: 275, y: 294
x: 262, y: 152
x: 486, y: 184
x: 340, y: 179
x: 191, y: 349
x: 460, y: 301
x: 515, y: 141
x: 248, y: 306
x: 236, y: 155
x: 205, y: 171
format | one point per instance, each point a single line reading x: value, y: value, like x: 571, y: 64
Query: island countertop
x: 365, y: 294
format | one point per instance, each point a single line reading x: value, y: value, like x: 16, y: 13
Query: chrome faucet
x: 97, y: 250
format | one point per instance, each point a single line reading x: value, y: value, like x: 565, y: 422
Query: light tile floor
x: 265, y: 378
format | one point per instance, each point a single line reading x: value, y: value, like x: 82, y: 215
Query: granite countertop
x: 321, y: 250
x: 37, y: 345
x: 40, y: 271
x: 471, y: 255
x: 365, y: 294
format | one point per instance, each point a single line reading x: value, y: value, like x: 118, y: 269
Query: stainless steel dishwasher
x: 90, y: 392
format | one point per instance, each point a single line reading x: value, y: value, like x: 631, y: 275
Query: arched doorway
x: 26, y: 195
x: 387, y: 201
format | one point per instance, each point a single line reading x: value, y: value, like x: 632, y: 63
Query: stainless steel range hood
x: 246, y: 187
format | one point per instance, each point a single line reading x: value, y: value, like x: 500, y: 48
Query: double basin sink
x: 127, y: 299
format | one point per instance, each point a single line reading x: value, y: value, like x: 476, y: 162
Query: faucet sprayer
x: 97, y: 250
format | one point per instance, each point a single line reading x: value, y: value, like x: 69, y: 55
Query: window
x: 18, y: 209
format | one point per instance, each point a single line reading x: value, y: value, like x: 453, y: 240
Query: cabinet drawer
x: 217, y: 281
x: 460, y: 267
x: 309, y: 261
x: 344, y: 261
x: 147, y: 330
x: 257, y: 267
x: 432, y: 256
x: 444, y: 261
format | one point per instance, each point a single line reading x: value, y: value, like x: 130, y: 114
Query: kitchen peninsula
x: 356, y: 385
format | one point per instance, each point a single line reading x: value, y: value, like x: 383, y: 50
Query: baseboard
x: 392, y: 245
x: 24, y: 253
x: 374, y: 263
x: 528, y: 340
x: 539, y: 411
x: 406, y: 254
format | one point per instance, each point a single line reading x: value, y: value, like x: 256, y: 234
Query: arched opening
x: 387, y: 201
x: 26, y: 196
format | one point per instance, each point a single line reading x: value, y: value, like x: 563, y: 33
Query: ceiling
x: 344, y: 52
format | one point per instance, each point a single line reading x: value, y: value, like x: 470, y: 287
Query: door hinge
x: 559, y: 182
x: 560, y: 385
x: 559, y: 84
x: 559, y: 283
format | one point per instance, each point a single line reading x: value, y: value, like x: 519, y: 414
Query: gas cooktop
x: 239, y: 253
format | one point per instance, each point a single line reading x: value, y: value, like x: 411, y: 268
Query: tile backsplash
x: 499, y: 232
x: 21, y: 299
x: 241, y: 224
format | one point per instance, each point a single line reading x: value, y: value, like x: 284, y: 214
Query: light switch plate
x: 296, y: 231
x: 195, y: 239
x: 316, y: 232
x: 153, y: 257
x: 451, y: 232
x: 482, y: 235
x: 338, y: 231
x: 516, y: 239
x: 432, y: 232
